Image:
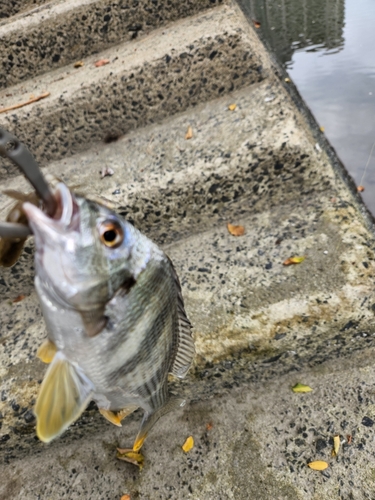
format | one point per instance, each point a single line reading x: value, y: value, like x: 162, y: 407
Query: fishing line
x: 367, y: 164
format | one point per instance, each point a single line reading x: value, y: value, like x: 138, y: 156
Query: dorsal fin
x: 185, y: 345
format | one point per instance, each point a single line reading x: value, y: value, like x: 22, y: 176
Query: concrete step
x: 62, y: 32
x: 191, y: 61
x: 9, y: 8
x: 257, y: 165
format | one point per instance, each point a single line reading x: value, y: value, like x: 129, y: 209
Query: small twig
x: 21, y: 104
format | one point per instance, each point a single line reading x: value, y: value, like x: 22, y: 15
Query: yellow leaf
x: 189, y: 133
x: 287, y: 80
x: 188, y: 444
x: 318, y: 465
x: 293, y: 260
x: 232, y: 107
x: 236, y: 230
x: 125, y: 497
x: 336, y: 445
x: 78, y: 64
x: 301, y: 388
x: 321, y: 129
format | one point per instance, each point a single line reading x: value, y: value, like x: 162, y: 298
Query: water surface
x: 328, y: 48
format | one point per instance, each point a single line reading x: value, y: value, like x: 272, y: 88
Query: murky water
x: 328, y: 48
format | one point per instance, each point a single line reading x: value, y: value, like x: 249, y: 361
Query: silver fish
x: 115, y: 317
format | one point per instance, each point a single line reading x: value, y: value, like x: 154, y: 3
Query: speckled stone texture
x: 254, y: 319
x: 259, y: 326
x: 64, y: 32
x: 9, y: 8
x: 161, y: 75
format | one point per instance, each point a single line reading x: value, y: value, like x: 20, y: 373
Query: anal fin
x: 150, y: 419
x: 46, y: 351
x: 63, y: 396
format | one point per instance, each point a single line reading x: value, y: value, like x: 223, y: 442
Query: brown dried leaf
x: 256, y: 23
x: 133, y: 457
x: 360, y: 189
x: 293, y: 260
x: 349, y: 438
x: 318, y: 465
x: 232, y: 107
x: 189, y: 133
x: 19, y: 298
x: 236, y: 230
x: 78, y: 64
x: 188, y: 444
x: 336, y: 445
x: 101, y: 62
x: 209, y: 426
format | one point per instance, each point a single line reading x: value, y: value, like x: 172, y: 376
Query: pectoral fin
x: 46, y: 351
x: 64, y: 394
x: 94, y: 321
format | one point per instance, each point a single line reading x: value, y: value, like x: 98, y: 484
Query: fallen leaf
x: 293, y: 260
x: 236, y: 230
x: 256, y: 23
x: 321, y: 129
x: 232, y: 107
x: 301, y: 388
x: 101, y: 62
x: 133, y: 457
x: 360, y: 189
x: 287, y: 80
x: 19, y: 298
x: 125, y: 497
x: 188, y: 444
x: 25, y: 103
x: 209, y: 426
x: 189, y: 133
x: 318, y: 465
x: 336, y: 445
x: 349, y: 438
x: 78, y: 64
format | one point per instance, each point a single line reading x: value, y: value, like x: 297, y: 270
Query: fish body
x: 114, y: 312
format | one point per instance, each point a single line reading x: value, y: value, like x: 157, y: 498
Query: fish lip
x: 61, y: 222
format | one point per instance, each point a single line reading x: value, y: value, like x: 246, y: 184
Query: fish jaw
x: 47, y: 229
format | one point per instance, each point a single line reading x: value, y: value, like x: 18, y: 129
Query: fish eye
x: 111, y: 234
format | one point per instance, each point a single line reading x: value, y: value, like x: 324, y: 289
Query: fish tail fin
x: 150, y: 419
x: 63, y: 396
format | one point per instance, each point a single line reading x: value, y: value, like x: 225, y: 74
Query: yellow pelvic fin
x: 115, y: 417
x: 63, y: 396
x: 138, y: 443
x: 111, y: 416
x: 46, y: 351
x: 126, y: 411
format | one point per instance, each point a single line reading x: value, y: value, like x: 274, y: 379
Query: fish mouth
x: 64, y: 219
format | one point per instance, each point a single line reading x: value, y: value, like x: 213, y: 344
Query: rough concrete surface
x: 259, y: 326
x: 55, y: 35
x: 189, y: 62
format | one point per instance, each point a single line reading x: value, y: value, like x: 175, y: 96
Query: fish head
x: 84, y: 252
